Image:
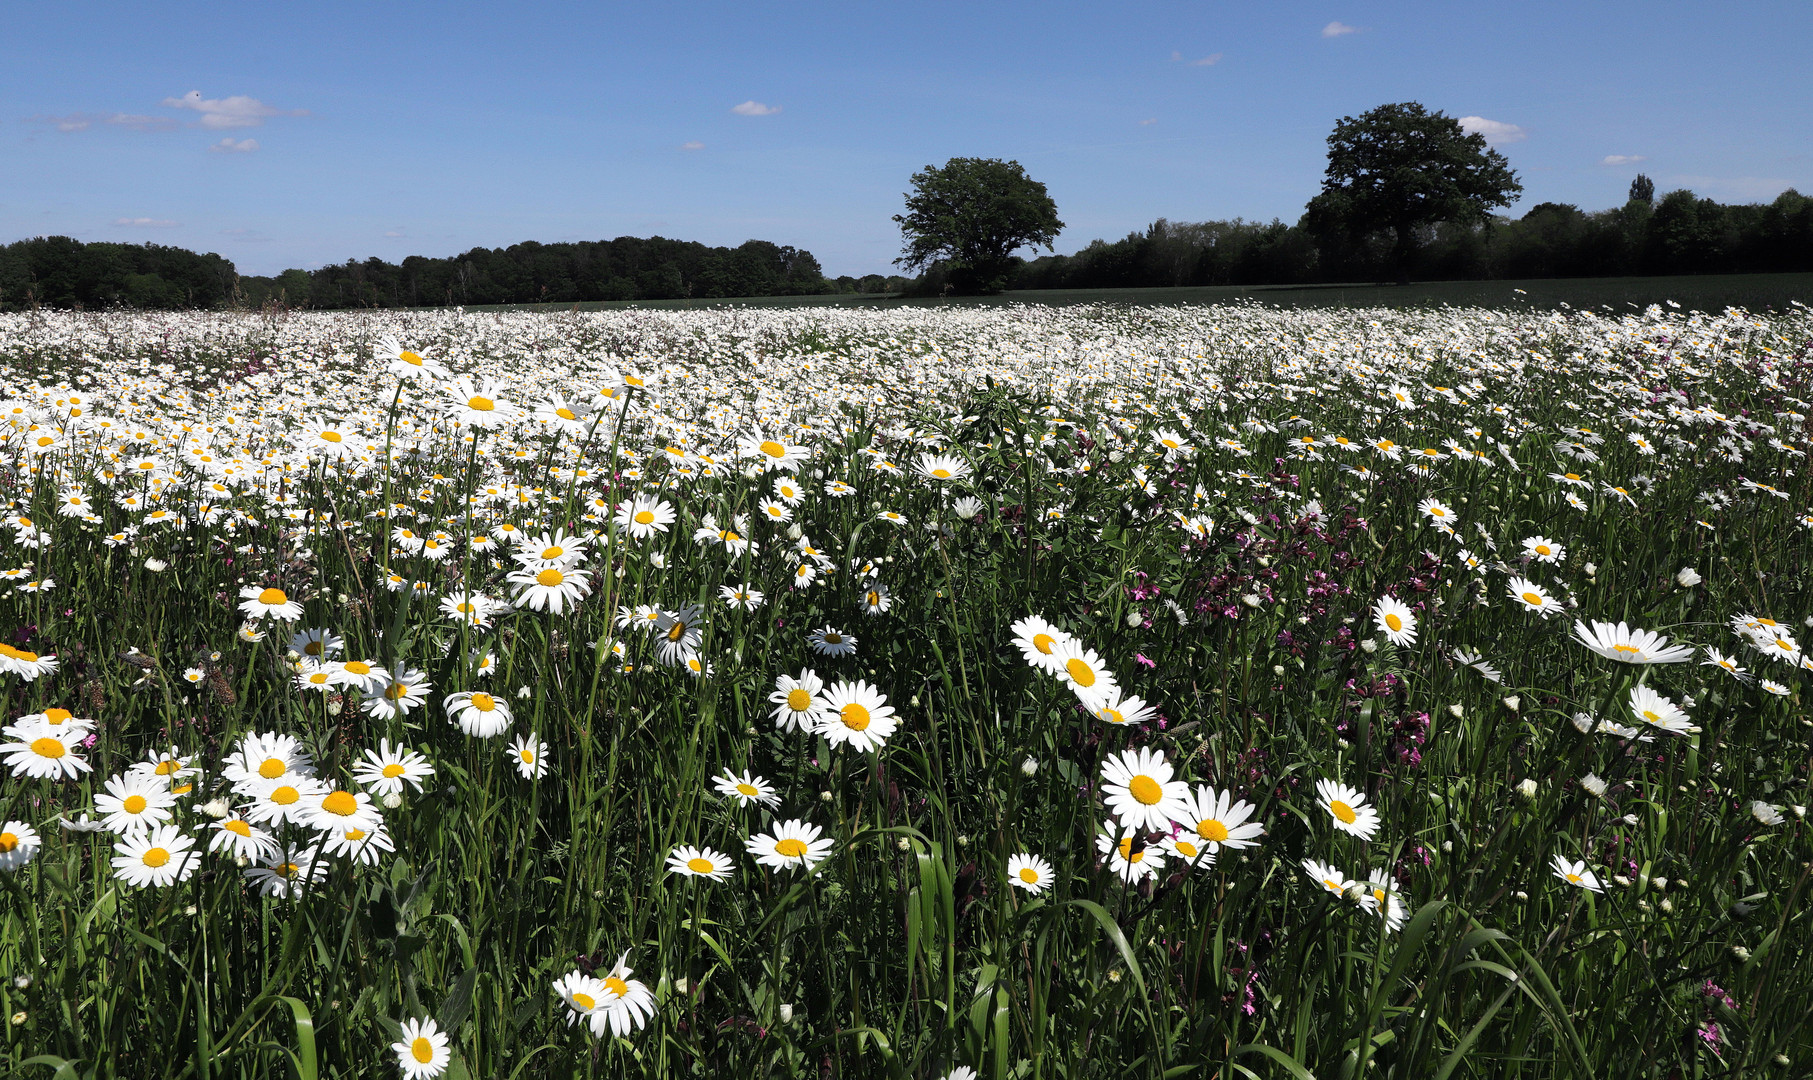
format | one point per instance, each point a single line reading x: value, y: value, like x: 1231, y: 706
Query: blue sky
x: 322, y: 132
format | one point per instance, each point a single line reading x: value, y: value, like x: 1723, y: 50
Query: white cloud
x: 1338, y: 29
x: 145, y: 222
x: 1622, y: 159
x: 1148, y: 123
x: 84, y: 121
x: 234, y: 146
x: 755, y: 108
x: 1208, y: 61
x: 1176, y: 56
x: 693, y: 145
x: 229, y: 112
x: 394, y: 234
x: 1497, y: 132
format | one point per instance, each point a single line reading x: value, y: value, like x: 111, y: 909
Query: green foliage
x: 969, y: 216
x: 1642, y: 189
x: 1400, y: 168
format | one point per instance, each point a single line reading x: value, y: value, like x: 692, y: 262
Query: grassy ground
x: 1705, y: 292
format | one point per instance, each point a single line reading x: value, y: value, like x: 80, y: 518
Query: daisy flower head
x: 799, y: 703
x: 1119, y: 708
x: 319, y: 643
x: 1437, y: 512
x: 155, y: 857
x: 830, y: 641
x: 24, y: 663
x: 942, y: 468
x: 1138, y: 788
x: 700, y: 862
x: 530, y: 756
x: 241, y: 839
x: 627, y: 1004
x: 1186, y: 848
x: 261, y: 758
x: 1395, y: 620
x: 771, y: 453
x: 1079, y: 665
x: 1629, y: 646
x: 478, y: 714
x: 1542, y: 549
x: 361, y: 675
x: 1770, y: 686
x: 551, y: 589
x: 745, y: 789
x: 1029, y: 872
x: 858, y: 715
x: 477, y: 404
x: 404, y: 690
x: 286, y: 872
x: 362, y: 846
x: 644, y: 516
x: 1381, y: 896
x: 46, y: 754
x: 334, y: 809
x: 792, y: 845
x: 1655, y: 711
x: 1038, y: 642
x: 404, y: 363
x: 385, y: 770
x: 1129, y: 856
x: 19, y: 845
x: 134, y: 802
x: 581, y: 994
x: 1327, y: 878
x: 744, y: 596
x: 1218, y: 819
x: 271, y: 603
x: 422, y: 1052
x: 1533, y: 597
x: 1576, y: 873
x: 1347, y: 806
x: 277, y: 802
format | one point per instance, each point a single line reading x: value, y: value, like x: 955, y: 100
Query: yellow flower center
x: 1043, y: 643
x: 237, y: 827
x: 410, y: 358
x: 1080, y: 673
x: 1029, y: 875
x: 483, y: 702
x: 616, y: 986
x: 134, y: 804
x: 285, y: 795
x: 1626, y: 649
x: 553, y: 552
x: 700, y: 866
x: 874, y: 598
x: 1394, y: 622
x: 156, y: 857
x: 273, y: 597
x: 1129, y: 854
x: 422, y: 1050
x: 392, y: 771
x: 773, y: 449
x: 48, y: 747
x: 1211, y: 830
x: 480, y: 404
x: 748, y: 791
x: 586, y: 1002
x: 1532, y: 599
x: 1146, y: 790
x: 645, y: 517
x: 1651, y: 717
x: 790, y: 848
x: 565, y: 413
x: 332, y: 436
x: 676, y: 632
x: 273, y: 768
x: 358, y: 667
x: 1342, y: 812
x: 1575, y: 878
x: 57, y: 716
x: 550, y: 577
x: 1542, y: 549
x: 1186, y: 849
x: 396, y: 691
x: 340, y: 803
x: 941, y: 473
x: 8, y: 841
x: 798, y: 700
x: 855, y: 717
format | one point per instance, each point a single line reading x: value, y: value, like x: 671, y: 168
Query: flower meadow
x: 1017, y: 692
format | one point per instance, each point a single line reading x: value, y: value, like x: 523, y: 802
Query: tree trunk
x: 1403, y: 250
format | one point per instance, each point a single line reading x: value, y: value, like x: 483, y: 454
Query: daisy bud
x: 1593, y: 784
x: 1370, y: 645
x: 1277, y: 669
x: 657, y: 560
x: 794, y: 532
x: 903, y: 844
x: 824, y: 796
x: 1134, y: 619
x: 1740, y: 952
x: 963, y: 841
x: 1029, y: 767
x: 786, y: 1012
x: 522, y: 694
x: 392, y: 801
x: 1527, y: 789
x: 156, y: 566
x: 1590, y: 569
x: 19, y: 1018
x: 22, y: 982
x: 1688, y: 577
x: 1457, y: 710
x: 215, y: 808
x: 1513, y: 702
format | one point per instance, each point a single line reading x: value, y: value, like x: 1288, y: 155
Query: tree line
x: 1680, y: 233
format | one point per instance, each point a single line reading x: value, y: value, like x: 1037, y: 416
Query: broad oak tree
x: 970, y: 216
x: 1400, y: 168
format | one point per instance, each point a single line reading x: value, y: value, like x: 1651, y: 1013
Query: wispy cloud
x: 1207, y: 61
x: 1148, y: 122
x: 395, y: 234
x: 1497, y: 132
x: 1622, y: 159
x: 146, y: 223
x: 84, y: 121
x: 234, y: 146
x: 755, y: 108
x: 229, y: 112
x: 693, y: 145
x: 1339, y: 29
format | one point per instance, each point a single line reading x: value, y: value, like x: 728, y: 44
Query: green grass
x: 907, y: 952
x: 1704, y: 292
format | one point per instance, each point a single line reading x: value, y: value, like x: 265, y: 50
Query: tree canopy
x: 970, y: 216
x: 1400, y: 169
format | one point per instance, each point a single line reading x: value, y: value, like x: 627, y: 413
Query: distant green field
x: 1710, y: 292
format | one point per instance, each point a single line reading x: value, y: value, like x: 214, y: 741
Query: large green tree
x: 1400, y: 169
x: 970, y: 216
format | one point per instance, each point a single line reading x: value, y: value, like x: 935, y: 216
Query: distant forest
x: 1680, y: 233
